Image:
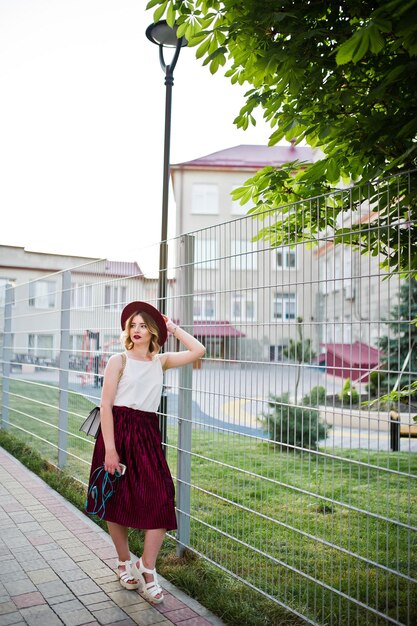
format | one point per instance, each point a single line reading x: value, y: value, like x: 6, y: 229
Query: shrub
x: 292, y: 425
x: 349, y: 395
x: 316, y: 396
x: 375, y: 384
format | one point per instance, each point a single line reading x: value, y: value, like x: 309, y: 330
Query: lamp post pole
x: 165, y: 37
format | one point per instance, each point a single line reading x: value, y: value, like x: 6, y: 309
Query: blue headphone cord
x: 107, y: 490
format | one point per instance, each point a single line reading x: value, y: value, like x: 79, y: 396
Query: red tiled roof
x: 251, y: 157
x: 356, y: 354
x: 123, y: 268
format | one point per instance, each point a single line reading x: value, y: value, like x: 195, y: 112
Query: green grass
x: 246, y: 492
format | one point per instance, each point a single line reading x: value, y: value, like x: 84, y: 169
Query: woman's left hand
x: 171, y: 327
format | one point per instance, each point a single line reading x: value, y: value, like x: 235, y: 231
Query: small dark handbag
x: 91, y: 424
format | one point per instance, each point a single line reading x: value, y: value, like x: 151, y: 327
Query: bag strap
x: 123, y: 367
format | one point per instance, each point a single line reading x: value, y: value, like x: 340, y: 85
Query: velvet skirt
x: 144, y: 497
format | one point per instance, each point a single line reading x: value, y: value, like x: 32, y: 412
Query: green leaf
x: 346, y: 50
x: 152, y: 3
x: 332, y: 170
x: 160, y: 11
x: 376, y: 41
x: 202, y: 49
x: 170, y: 17
x: 362, y: 47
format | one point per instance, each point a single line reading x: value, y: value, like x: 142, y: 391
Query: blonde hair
x: 151, y: 325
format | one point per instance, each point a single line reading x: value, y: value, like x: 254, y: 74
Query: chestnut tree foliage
x: 339, y: 75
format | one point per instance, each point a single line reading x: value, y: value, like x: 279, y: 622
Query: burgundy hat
x: 145, y: 307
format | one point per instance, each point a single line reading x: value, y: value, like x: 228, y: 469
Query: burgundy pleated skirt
x: 145, y: 496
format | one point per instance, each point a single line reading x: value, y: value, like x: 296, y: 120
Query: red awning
x: 215, y: 329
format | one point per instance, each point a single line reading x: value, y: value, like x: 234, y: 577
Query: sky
x: 82, y: 107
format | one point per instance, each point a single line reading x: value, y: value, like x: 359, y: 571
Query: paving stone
x: 170, y: 603
x: 71, y: 542
x: 7, y: 607
x: 21, y: 516
x: 82, y: 587
x: 25, y: 600
x: 11, y: 618
x: 195, y: 621
x: 42, y: 575
x: 52, y: 588
x: 112, y: 585
x: 61, y: 565
x: 109, y: 616
x: 180, y: 614
x: 53, y: 526
x: 124, y: 622
x: 40, y: 540
x: 94, y: 598
x: 16, y: 587
x: 81, y: 550
x: 65, y: 597
x: 76, y: 618
x: 57, y: 535
x: 147, y: 617
x: 47, y: 545
x: 4, y: 550
x: 98, y: 606
x: 125, y: 597
x: 40, y: 616
x: 11, y: 576
x: 18, y: 540
x: 54, y: 553
x: 71, y: 605
x: 72, y: 574
x: 35, y: 564
x: 29, y: 527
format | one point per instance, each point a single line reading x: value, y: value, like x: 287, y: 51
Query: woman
x: 144, y: 495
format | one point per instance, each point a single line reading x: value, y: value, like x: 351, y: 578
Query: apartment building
x: 252, y: 294
x: 98, y: 289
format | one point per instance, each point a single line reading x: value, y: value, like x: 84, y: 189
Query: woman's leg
x: 119, y: 535
x: 153, y: 541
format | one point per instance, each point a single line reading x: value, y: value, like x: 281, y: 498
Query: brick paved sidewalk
x: 57, y: 565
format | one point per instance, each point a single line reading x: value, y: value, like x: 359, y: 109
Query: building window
x: 204, y: 307
x: 40, y: 346
x: 285, y: 306
x: 81, y: 295
x: 243, y: 308
x: 286, y: 259
x: 206, y: 256
x: 244, y: 255
x: 114, y: 296
x: 42, y: 294
x: 204, y: 199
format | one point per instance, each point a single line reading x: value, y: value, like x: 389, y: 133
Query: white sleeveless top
x: 140, y: 387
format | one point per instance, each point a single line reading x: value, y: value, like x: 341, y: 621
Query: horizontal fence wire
x: 296, y: 475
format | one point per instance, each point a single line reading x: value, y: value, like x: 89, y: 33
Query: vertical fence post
x: 64, y: 368
x: 186, y: 288
x: 7, y: 354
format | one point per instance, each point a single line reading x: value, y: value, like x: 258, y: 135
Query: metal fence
x: 293, y: 475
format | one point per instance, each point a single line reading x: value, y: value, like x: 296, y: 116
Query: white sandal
x: 149, y: 590
x: 127, y: 575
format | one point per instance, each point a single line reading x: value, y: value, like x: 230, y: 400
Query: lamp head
x: 164, y: 35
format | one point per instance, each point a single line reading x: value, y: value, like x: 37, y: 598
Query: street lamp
x: 165, y: 36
